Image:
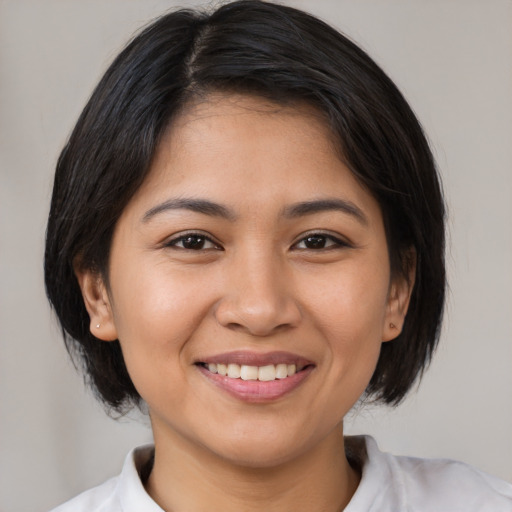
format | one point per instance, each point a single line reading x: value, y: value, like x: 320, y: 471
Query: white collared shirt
x: 388, y: 484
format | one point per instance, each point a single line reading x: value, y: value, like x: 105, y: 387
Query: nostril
x: 258, y: 314
x: 257, y: 330
x: 235, y: 326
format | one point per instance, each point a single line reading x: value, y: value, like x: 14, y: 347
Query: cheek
x: 349, y: 309
x: 155, y: 314
x: 350, y: 304
x: 156, y: 301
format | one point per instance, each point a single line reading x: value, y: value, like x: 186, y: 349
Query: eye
x: 317, y: 241
x: 192, y: 242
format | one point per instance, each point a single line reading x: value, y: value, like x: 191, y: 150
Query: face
x: 250, y: 250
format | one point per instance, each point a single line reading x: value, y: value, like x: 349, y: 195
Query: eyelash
x: 173, y: 243
x: 336, y: 243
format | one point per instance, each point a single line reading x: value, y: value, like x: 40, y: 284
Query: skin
x: 254, y: 284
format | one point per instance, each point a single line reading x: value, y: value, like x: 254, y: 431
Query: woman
x: 247, y: 235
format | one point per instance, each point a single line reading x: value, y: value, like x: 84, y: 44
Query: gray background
x: 453, y: 61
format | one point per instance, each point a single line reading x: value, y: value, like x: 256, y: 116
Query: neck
x: 191, y: 478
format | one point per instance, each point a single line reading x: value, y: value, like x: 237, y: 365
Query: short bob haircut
x: 280, y: 54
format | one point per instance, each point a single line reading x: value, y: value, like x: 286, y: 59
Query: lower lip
x: 256, y: 391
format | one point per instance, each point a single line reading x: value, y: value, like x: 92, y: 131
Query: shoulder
x: 97, y: 499
x: 453, y: 485
x: 428, y: 485
x: 123, y: 493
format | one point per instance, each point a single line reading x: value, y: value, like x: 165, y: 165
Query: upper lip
x: 250, y: 358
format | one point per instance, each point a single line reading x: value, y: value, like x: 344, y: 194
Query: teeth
x: 248, y: 372
x: 281, y: 371
x: 267, y: 373
x: 234, y: 371
x: 262, y: 373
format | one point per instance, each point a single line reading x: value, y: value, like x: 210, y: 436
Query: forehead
x: 247, y: 116
x: 249, y: 151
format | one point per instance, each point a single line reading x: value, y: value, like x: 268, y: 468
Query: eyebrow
x: 301, y: 209
x: 196, y: 205
x: 324, y: 205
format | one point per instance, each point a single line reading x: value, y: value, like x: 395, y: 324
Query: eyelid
x: 174, y: 239
x: 340, y: 241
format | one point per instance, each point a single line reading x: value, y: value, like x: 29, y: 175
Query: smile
x: 265, y: 373
x: 256, y: 378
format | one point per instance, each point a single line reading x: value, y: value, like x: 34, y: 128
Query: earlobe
x: 97, y: 303
x: 398, y: 300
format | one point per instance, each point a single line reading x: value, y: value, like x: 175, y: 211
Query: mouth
x: 266, y: 373
x: 256, y: 377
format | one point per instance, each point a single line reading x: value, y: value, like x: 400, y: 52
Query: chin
x: 262, y: 450
x: 257, y: 457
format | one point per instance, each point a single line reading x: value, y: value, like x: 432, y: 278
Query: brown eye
x: 192, y: 241
x: 315, y: 242
x: 318, y: 241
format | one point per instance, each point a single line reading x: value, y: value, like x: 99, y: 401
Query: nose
x: 258, y: 298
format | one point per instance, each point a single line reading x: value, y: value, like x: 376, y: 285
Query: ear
x: 399, y: 296
x: 97, y: 303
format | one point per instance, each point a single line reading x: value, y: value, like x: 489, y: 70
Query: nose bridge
x: 259, y: 272
x: 258, y: 296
